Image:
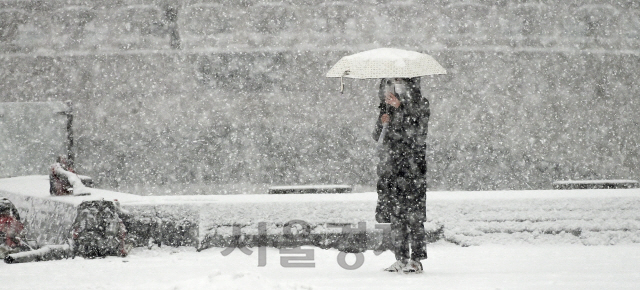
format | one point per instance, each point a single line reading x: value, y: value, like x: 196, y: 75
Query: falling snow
x: 212, y: 102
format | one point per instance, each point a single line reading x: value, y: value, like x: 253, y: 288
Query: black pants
x: 408, y: 234
x: 408, y: 188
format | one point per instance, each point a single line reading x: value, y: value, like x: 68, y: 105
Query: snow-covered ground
x: 448, y: 267
x: 560, y: 239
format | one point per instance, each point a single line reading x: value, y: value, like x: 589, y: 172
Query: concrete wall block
x: 271, y: 18
x: 138, y: 27
x: 253, y: 72
x: 10, y: 21
x: 467, y: 18
x: 214, y: 25
x: 588, y: 20
x: 68, y: 27
x: 33, y: 33
x: 204, y: 21
x: 630, y: 26
x: 529, y: 20
x: 597, y: 21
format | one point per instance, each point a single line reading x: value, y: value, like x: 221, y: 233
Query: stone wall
x: 39, y: 26
x: 234, y: 91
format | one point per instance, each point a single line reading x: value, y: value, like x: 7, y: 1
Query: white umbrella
x: 386, y: 63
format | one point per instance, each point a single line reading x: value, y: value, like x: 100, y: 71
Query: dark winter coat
x: 402, y: 167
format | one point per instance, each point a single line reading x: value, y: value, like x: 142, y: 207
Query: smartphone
x: 389, y: 87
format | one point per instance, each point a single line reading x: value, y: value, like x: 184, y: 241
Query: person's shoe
x: 396, y: 267
x: 412, y: 267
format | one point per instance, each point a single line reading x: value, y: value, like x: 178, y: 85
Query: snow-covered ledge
x: 343, y: 221
x: 200, y: 220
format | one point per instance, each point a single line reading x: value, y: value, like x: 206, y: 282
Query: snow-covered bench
x: 595, y: 184
x: 310, y: 189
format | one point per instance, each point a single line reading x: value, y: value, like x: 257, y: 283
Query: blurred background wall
x: 210, y: 93
x: 32, y: 136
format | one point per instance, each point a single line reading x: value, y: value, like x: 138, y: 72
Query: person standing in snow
x: 402, y: 170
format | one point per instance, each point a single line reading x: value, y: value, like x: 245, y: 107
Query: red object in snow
x: 11, y: 228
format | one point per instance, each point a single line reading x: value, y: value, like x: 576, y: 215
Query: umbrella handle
x: 346, y: 72
x: 381, y: 138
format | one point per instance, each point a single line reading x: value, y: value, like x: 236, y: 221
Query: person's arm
x: 395, y: 117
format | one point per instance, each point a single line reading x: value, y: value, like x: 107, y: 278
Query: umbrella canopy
x: 386, y: 63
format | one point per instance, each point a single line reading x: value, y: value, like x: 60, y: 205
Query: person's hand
x: 392, y: 100
x: 385, y: 118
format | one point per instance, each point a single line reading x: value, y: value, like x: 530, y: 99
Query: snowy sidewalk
x: 448, y: 267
